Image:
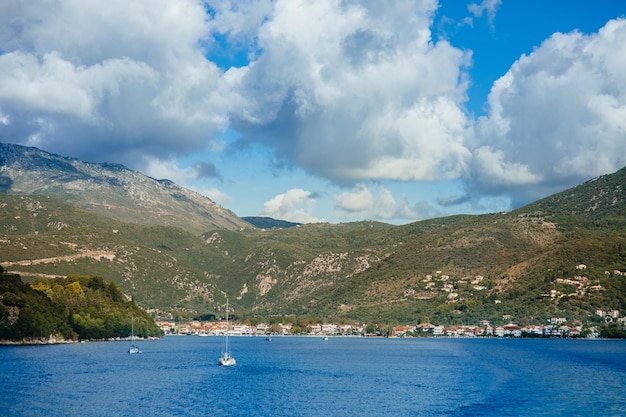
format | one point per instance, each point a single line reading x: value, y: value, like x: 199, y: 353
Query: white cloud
x: 113, y: 82
x: 501, y: 172
x: 359, y: 200
x: 191, y: 177
x: 240, y: 20
x: 296, y: 205
x: 376, y: 203
x: 213, y: 193
x: 486, y: 6
x: 53, y: 85
x: 357, y: 91
x: 558, y: 116
x: 169, y: 169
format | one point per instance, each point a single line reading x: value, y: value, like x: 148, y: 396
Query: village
x: 438, y: 281
x: 556, y: 327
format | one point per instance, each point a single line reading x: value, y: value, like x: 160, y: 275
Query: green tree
x: 613, y: 331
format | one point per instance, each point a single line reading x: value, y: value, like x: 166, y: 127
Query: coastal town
x: 560, y: 327
x: 556, y: 327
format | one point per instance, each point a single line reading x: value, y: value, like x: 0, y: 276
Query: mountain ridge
x: 520, y: 265
x: 269, y: 223
x: 110, y: 189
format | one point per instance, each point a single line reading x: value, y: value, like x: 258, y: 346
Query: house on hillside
x: 423, y: 327
x: 451, y: 331
x: 436, y: 330
x: 533, y: 329
x: 401, y: 330
x: 512, y: 330
x: 487, y: 331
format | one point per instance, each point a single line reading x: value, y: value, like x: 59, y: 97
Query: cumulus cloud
x: 127, y: 82
x: 213, y: 193
x: 347, y: 90
x: 557, y: 117
x: 239, y: 20
x: 497, y: 171
x: 296, y: 205
x: 372, y: 202
x: 356, y: 91
x: 169, y: 169
x: 356, y: 201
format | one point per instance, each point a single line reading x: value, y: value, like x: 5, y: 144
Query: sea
x: 309, y: 376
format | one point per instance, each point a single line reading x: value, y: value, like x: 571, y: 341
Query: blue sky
x: 332, y: 110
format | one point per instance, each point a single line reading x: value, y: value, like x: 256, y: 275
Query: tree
x: 69, y: 308
x: 613, y: 331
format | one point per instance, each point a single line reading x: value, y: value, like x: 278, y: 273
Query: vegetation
x: 268, y: 222
x: 613, y: 331
x: 27, y: 314
x: 76, y: 307
x: 563, y: 256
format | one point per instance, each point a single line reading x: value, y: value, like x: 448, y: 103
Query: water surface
x: 306, y: 376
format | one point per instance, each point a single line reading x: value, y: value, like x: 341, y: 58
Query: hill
x: 563, y: 256
x: 269, y: 223
x: 66, y: 309
x: 111, y: 190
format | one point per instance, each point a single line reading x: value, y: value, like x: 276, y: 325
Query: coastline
x: 60, y: 341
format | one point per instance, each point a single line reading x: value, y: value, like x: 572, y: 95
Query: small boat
x: 133, y: 349
x: 227, y: 359
x: 269, y: 338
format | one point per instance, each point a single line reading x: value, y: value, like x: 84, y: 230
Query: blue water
x: 304, y: 376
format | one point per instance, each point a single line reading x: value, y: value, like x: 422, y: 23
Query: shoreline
x: 55, y: 341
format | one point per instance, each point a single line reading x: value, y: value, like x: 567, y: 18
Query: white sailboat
x: 227, y: 359
x: 132, y: 349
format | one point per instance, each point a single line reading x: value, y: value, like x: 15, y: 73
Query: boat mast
x: 227, y: 328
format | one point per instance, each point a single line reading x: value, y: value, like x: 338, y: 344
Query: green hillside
x: 72, y: 308
x: 563, y: 256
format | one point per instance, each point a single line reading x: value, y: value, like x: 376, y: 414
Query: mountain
x: 111, y: 190
x: 562, y: 256
x: 269, y: 223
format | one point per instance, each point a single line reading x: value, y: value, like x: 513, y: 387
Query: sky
x: 327, y: 110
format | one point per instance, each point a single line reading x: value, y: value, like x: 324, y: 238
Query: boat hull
x: 227, y: 360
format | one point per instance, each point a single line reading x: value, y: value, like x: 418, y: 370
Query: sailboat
x: 132, y: 349
x: 227, y: 359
